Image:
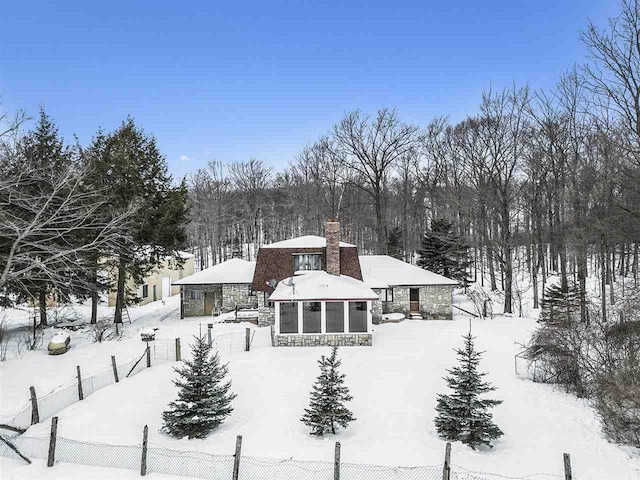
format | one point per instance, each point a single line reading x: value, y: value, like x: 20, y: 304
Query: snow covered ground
x: 394, y: 384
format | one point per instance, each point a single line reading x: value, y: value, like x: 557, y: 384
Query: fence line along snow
x: 197, y: 464
x: 69, y: 393
x: 159, y: 351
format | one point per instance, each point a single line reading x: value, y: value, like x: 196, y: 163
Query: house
x: 159, y: 283
x: 317, y: 290
x: 405, y: 288
x: 220, y: 288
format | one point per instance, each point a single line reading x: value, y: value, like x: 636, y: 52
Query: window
x: 304, y: 262
x: 335, y: 317
x: 357, y: 317
x: 252, y: 292
x: 288, y: 317
x: 145, y: 291
x: 195, y: 294
x: 386, y: 295
x: 311, y: 321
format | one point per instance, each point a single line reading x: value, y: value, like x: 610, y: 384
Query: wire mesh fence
x: 68, y: 393
x: 197, y: 464
x: 160, y: 351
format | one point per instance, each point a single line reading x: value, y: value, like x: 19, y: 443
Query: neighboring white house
x: 159, y: 283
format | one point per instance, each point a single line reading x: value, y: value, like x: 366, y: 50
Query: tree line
x: 78, y: 221
x: 540, y: 181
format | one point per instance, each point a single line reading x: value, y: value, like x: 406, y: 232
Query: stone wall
x: 195, y: 308
x: 435, y: 301
x: 266, y: 316
x: 321, y: 340
x: 376, y: 307
x: 237, y: 294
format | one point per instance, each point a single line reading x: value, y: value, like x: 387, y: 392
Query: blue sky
x: 235, y: 80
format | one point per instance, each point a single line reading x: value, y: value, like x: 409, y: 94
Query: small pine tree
x: 394, y: 244
x: 560, y: 306
x: 204, y: 399
x: 444, y: 251
x: 326, y: 409
x: 464, y: 415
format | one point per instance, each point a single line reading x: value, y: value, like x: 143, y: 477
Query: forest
x: 542, y: 181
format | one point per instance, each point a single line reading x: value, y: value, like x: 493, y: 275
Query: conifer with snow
x: 204, y: 397
x: 463, y: 415
x: 327, y: 410
x: 444, y: 251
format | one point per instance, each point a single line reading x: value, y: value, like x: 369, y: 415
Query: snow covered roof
x: 320, y: 285
x: 235, y: 270
x: 306, y: 241
x: 396, y: 272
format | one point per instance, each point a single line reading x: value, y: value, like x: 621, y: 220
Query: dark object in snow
x: 464, y: 415
x: 204, y: 399
x: 148, y: 335
x: 59, y: 343
x: 326, y: 409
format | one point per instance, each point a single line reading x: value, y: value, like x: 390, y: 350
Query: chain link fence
x: 68, y: 393
x: 196, y: 464
x: 160, y: 351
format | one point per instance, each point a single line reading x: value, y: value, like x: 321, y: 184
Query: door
x: 166, y: 287
x: 155, y: 293
x: 414, y: 300
x: 209, y: 302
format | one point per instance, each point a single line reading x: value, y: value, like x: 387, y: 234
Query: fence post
x: 336, y: 462
x: 209, y: 327
x: 80, y: 392
x: 115, y: 368
x: 178, y: 351
x: 143, y: 464
x: 148, y: 356
x: 236, y: 457
x: 567, y: 467
x: 446, y: 470
x: 35, y: 415
x: 51, y: 459
x: 247, y: 339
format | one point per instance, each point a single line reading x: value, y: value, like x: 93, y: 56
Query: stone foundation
x: 322, y: 340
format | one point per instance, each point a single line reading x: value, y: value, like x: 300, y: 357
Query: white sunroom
x: 317, y: 308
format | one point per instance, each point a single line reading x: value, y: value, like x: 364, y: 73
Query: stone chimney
x: 332, y: 234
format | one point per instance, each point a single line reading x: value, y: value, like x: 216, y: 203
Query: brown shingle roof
x: 277, y: 263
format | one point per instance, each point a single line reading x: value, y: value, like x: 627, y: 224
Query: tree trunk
x: 94, y: 290
x: 42, y: 301
x: 121, y: 290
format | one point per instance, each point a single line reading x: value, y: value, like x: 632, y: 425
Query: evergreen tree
x: 43, y: 150
x: 560, y: 305
x: 394, y: 244
x: 329, y: 394
x: 204, y: 399
x: 130, y: 169
x: 444, y: 251
x: 463, y: 415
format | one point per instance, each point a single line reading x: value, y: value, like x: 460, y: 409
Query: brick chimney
x: 332, y: 234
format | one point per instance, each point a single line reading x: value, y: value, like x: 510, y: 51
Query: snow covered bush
x: 327, y: 408
x: 204, y: 397
x: 463, y: 415
x: 102, y: 330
